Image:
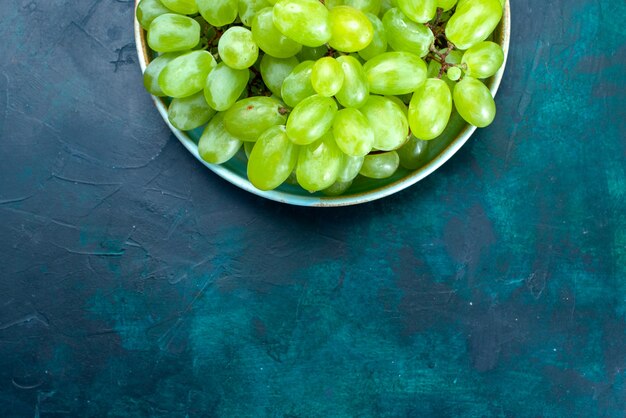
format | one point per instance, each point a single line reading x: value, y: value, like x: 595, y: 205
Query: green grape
x: 338, y: 188
x: 418, y: 11
x: 351, y: 29
x: 399, y: 100
x: 272, y: 159
x: 355, y: 89
x: 379, y: 40
x: 249, y: 8
x: 153, y: 70
x: 430, y: 108
x: 473, y: 21
x: 237, y: 48
x: 171, y: 32
x: 305, y: 21
x: 406, y: 35
x: 461, y: 2
x: 319, y: 164
x: 248, y: 147
x: 366, y: 6
x: 330, y: 4
x: 327, y: 76
x: 185, y: 7
x: 483, y: 59
x: 189, y: 112
x: 387, y: 5
x: 297, y: 85
x: 395, y: 73
x: 312, y: 54
x: 269, y: 38
x: 433, y: 69
x: 454, y: 73
x: 454, y: 57
x: 186, y: 74
x: 310, y: 119
x: 249, y: 118
x: 413, y: 154
x: 446, y: 5
x: 474, y: 102
x: 350, y: 167
x: 353, y: 133
x: 148, y: 10
x: 275, y: 70
x: 224, y: 86
x: 388, y: 121
x: 380, y: 166
x: 216, y: 145
x: 218, y: 12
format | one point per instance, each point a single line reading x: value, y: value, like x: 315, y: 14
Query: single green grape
x: 319, y: 164
x: 474, y: 102
x: 269, y: 38
x: 395, y: 73
x: 380, y: 165
x: 350, y: 167
x: 237, y: 48
x: 275, y: 70
x: 418, y: 11
x: 186, y: 74
x: 171, y: 32
x: 379, y: 39
x: 310, y: 119
x: 272, y: 159
x: 353, y: 132
x: 189, y: 112
x: 305, y: 21
x: 355, y: 88
x: 473, y: 21
x: 217, y: 145
x: 327, y: 76
x: 153, y: 70
x: 405, y: 35
x: 430, y: 109
x: 249, y: 118
x: 224, y: 85
x: 366, y: 6
x: 388, y: 121
x: 338, y: 188
x: 185, y: 7
x: 413, y: 154
x: 297, y: 85
x: 483, y: 59
x: 454, y: 57
x: 249, y: 8
x: 351, y: 30
x: 454, y: 73
x: 218, y: 12
x: 148, y: 10
x: 446, y: 5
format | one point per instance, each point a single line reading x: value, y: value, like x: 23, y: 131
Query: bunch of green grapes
x: 321, y: 92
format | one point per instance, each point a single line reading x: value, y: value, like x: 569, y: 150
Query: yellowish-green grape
x: 189, y: 112
x: 413, y: 154
x: 420, y: 11
x: 446, y: 4
x: 380, y: 166
x: 379, y: 39
x: 454, y: 57
x: 395, y: 73
x: 388, y: 121
x: 171, y: 32
x: 237, y: 48
x: 483, y: 59
x: 186, y: 74
x: 473, y: 21
x: 185, y: 7
x: 310, y: 119
x: 406, y: 35
x: 297, y: 85
x: 430, y: 109
x: 148, y: 10
x: 327, y: 76
x: 353, y: 133
x: 338, y: 188
x: 350, y: 29
x: 474, y: 102
x: 224, y: 85
x: 269, y: 38
x: 350, y: 167
x: 355, y: 89
x: 217, y: 145
x: 366, y: 6
x: 272, y: 159
x: 319, y: 164
x: 275, y: 70
x: 153, y: 70
x: 218, y: 12
x: 305, y: 21
x: 249, y: 118
x: 249, y: 8
x: 454, y: 73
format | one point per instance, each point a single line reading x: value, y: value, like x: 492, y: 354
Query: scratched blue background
x: 134, y: 282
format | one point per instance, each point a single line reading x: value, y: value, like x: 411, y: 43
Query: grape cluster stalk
x: 319, y: 92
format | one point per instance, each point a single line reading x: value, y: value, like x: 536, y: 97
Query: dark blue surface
x: 137, y: 283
